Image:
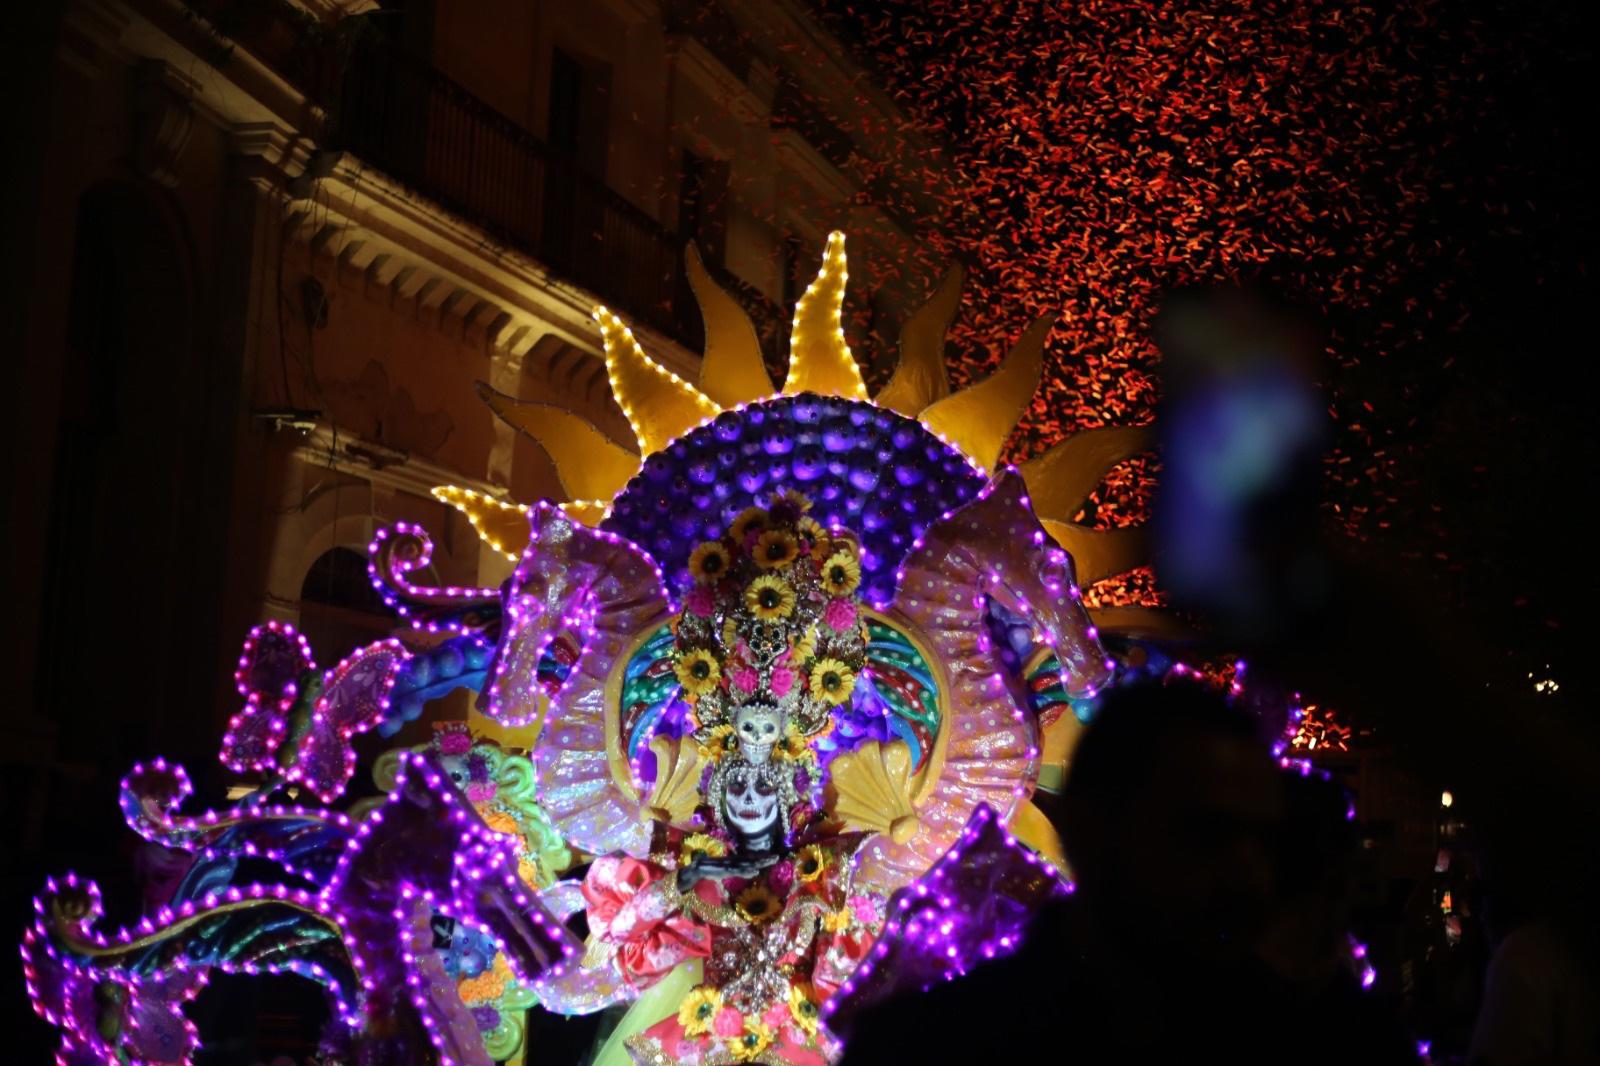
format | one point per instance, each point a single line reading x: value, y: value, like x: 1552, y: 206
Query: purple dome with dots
x: 875, y: 472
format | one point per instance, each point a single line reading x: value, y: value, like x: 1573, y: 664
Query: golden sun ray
x: 1096, y: 553
x: 980, y: 418
x: 658, y: 403
x: 919, y: 379
x: 731, y: 370
x: 819, y: 357
x: 502, y: 525
x: 1061, y: 479
x: 590, y: 464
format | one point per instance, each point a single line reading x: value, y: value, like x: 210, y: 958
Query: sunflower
x: 832, y: 682
x: 756, y: 1039
x: 798, y: 500
x: 813, y: 529
x: 698, y: 672
x: 700, y: 846
x: 810, y: 862
x: 803, y: 1006
x: 769, y: 597
x: 841, y: 573
x: 749, y: 518
x: 719, y: 742
x: 758, y: 905
x: 804, y: 648
x: 837, y: 921
x: 776, y: 548
x: 792, y: 747
x: 709, y: 562
x: 697, y: 1010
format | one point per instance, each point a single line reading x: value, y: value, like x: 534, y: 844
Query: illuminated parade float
x: 778, y: 689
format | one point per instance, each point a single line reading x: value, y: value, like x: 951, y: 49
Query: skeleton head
x: 758, y: 726
x: 750, y: 802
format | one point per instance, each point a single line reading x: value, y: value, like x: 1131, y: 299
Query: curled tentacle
x: 394, y: 553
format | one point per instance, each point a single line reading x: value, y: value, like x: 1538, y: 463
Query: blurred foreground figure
x: 1242, y: 430
x: 1172, y: 817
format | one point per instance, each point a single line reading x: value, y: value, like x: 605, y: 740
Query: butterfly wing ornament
x: 275, y: 663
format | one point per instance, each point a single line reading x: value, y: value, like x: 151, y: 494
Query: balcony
x: 405, y: 118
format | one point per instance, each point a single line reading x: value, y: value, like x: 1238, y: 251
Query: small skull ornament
x: 759, y: 726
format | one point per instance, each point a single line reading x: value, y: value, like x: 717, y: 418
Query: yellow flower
x: 837, y: 921
x: 810, y: 862
x: 776, y: 548
x: 756, y: 1039
x: 841, y: 573
x: 804, y: 648
x: 719, y: 742
x: 813, y: 529
x: 698, y: 672
x: 708, y: 562
x: 729, y: 632
x: 700, y: 845
x: 500, y: 822
x: 798, y: 500
x: 832, y: 682
x: 792, y: 746
x: 757, y: 904
x: 769, y: 597
x: 487, y: 986
x: 749, y: 518
x: 698, y: 1009
x: 803, y: 1006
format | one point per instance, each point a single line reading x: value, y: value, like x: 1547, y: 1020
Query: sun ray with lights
x: 660, y: 407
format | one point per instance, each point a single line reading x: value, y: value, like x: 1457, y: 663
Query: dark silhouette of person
x: 1172, y: 818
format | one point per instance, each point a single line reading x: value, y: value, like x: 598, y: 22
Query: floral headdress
x: 771, y: 637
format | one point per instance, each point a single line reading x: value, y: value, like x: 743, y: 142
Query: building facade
x: 264, y: 251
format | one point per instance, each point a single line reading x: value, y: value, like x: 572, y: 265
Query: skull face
x: 759, y: 726
x: 750, y: 803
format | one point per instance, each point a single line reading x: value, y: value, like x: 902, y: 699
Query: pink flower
x: 700, y: 601
x: 480, y: 793
x: 866, y: 913
x: 777, y: 1015
x: 745, y: 679
x: 728, y: 1022
x: 839, y: 614
x: 782, y: 681
x: 455, y: 743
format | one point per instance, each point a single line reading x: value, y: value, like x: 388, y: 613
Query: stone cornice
x: 796, y: 155
x: 333, y: 448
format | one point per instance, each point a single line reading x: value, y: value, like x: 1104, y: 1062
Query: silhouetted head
x: 1169, y: 817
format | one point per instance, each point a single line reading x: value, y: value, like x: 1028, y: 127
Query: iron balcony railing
x: 404, y: 117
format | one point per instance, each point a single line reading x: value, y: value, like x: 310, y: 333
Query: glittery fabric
x: 573, y: 577
x: 626, y: 906
x: 592, y: 986
x: 992, y: 547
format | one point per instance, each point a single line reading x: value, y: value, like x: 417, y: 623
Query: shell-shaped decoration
x: 979, y: 419
x: 819, y: 358
x: 590, y: 464
x: 731, y: 370
x: 919, y: 378
x: 503, y: 525
x: 870, y: 790
x: 658, y: 403
x: 676, y: 793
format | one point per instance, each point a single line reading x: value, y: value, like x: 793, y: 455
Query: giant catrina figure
x: 787, y: 676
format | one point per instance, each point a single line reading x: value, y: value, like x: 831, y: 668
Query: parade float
x: 777, y: 689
